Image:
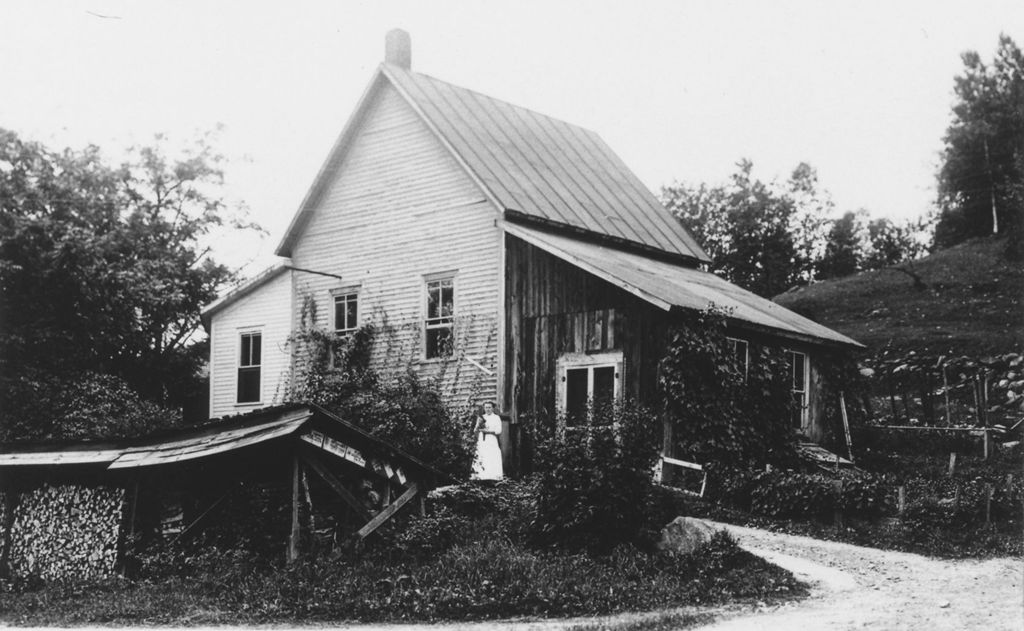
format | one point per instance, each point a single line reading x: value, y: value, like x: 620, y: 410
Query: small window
x: 587, y: 381
x: 740, y: 351
x: 798, y: 381
x: 439, y: 325
x: 249, y: 363
x: 346, y: 313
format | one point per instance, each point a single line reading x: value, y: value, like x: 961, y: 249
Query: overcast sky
x: 680, y: 89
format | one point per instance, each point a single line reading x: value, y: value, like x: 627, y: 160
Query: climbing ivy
x: 721, y: 413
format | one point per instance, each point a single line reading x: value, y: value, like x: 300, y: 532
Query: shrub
x: 594, y: 484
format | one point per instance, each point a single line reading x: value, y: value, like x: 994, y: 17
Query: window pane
x: 447, y: 299
x: 433, y: 300
x: 256, y: 350
x: 248, y: 385
x: 604, y: 385
x: 576, y: 396
x: 351, y: 313
x: 439, y: 342
x: 246, y: 346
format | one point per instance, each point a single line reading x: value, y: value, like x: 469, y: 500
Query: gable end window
x: 740, y: 351
x: 439, y: 324
x: 249, y: 364
x: 798, y: 375
x: 346, y: 313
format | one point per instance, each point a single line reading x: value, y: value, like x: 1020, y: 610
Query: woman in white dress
x: 487, y: 463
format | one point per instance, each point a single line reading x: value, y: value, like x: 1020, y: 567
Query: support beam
x: 388, y: 512
x: 321, y: 470
x: 293, y: 538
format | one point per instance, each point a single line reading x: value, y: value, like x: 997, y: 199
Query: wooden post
x: 952, y: 463
x: 945, y: 392
x: 837, y: 463
x: 901, y: 500
x: 846, y: 425
x: 984, y: 416
x: 988, y: 503
x: 422, y: 502
x: 135, y: 506
x: 956, y: 496
x: 837, y: 486
x: 293, y: 539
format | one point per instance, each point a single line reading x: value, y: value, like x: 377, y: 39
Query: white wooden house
x: 511, y: 256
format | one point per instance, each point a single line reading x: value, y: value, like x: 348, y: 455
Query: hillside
x: 968, y: 301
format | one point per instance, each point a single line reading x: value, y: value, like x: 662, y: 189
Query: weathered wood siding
x: 268, y: 310
x: 399, y: 208
x: 553, y: 308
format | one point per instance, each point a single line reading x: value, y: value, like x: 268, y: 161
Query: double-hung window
x: 439, y: 324
x: 249, y: 364
x: 740, y: 351
x: 798, y: 375
x: 346, y: 313
x: 586, y: 382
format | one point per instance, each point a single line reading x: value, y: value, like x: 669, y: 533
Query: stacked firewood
x: 66, y: 532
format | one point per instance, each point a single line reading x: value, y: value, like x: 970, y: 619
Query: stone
x: 684, y: 535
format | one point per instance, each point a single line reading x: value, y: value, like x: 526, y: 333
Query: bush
x: 794, y: 495
x: 594, y: 484
x: 80, y: 407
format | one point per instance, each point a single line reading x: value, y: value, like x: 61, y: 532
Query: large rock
x: 684, y: 535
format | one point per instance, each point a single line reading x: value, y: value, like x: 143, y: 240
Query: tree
x: 103, y: 268
x: 981, y: 167
x: 843, y: 252
x: 757, y: 234
x: 889, y: 242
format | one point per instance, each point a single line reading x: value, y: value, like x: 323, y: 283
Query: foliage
x: 722, y: 414
x: 594, y: 483
x: 981, y: 175
x: 842, y: 255
x: 405, y: 410
x: 794, y: 495
x: 892, y: 242
x: 42, y: 406
x: 105, y: 268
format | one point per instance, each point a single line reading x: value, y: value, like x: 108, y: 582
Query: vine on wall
x: 722, y: 414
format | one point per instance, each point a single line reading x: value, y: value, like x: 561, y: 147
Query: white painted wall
x: 267, y: 309
x: 400, y: 207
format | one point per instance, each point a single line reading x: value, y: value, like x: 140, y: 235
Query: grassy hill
x: 968, y: 300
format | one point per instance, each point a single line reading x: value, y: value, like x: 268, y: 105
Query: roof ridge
x: 392, y: 67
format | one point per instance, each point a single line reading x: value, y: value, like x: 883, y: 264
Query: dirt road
x: 856, y: 588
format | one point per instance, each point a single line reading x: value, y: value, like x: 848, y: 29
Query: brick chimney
x: 398, y: 49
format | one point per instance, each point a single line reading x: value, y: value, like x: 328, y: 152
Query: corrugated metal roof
x: 667, y: 285
x: 544, y: 167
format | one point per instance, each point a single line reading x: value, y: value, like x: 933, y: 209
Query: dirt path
x: 855, y: 587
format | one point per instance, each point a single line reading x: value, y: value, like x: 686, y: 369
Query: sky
x: 681, y: 90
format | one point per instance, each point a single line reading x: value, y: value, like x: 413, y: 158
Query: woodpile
x: 66, y: 532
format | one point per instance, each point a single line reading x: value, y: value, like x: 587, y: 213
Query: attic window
x: 249, y: 363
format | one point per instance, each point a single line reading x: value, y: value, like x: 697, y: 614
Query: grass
x: 468, y: 561
x: 970, y: 302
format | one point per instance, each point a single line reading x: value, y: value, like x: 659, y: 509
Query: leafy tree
x: 843, y: 252
x: 889, y: 242
x: 981, y: 172
x: 103, y: 268
x: 756, y: 234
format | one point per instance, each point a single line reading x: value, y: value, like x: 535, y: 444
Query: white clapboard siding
x: 400, y: 207
x: 268, y: 310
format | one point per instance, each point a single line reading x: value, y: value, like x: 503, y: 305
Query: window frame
x: 733, y: 343
x: 248, y: 332
x: 344, y: 293
x: 440, y: 322
x: 590, y: 362
x: 806, y: 385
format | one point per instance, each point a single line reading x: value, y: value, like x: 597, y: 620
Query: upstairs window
x: 740, y: 351
x: 586, y: 382
x: 439, y: 324
x: 346, y: 313
x: 798, y: 374
x: 249, y: 362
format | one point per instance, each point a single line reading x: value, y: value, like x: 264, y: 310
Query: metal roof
x: 667, y: 285
x: 527, y: 163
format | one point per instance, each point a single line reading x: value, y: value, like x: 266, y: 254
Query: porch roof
x: 669, y: 286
